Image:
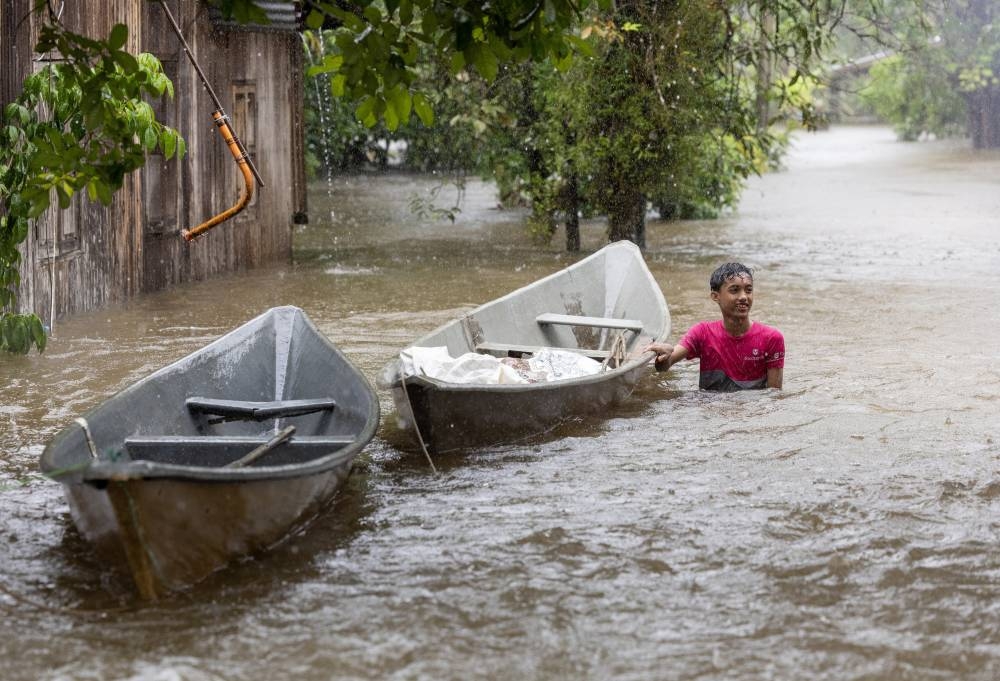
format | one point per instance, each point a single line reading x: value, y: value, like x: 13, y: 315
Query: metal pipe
x: 222, y: 122
x: 208, y: 88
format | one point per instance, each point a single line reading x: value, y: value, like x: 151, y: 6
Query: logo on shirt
x: 757, y: 355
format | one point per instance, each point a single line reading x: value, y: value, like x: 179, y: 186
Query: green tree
x: 916, y: 94
x: 378, y: 45
x: 970, y: 31
x: 666, y: 110
x: 81, y: 123
x: 336, y: 140
x: 945, y: 75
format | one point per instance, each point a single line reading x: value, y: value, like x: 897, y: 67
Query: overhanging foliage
x: 80, y: 123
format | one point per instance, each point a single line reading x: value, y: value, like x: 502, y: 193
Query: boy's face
x: 735, y: 297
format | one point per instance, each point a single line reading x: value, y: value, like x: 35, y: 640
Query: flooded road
x: 847, y: 527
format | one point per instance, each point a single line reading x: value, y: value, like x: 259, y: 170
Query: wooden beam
x: 598, y: 322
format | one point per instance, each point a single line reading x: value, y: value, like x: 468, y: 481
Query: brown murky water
x: 846, y: 528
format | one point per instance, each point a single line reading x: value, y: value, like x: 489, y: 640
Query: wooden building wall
x: 90, y: 256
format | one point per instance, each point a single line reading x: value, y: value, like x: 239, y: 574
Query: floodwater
x: 846, y: 527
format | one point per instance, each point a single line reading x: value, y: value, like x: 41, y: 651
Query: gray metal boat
x: 607, y: 306
x: 219, y: 455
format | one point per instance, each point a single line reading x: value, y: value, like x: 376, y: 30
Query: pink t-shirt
x: 734, y: 363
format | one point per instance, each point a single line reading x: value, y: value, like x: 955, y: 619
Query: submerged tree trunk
x: 767, y: 25
x: 984, y: 118
x: 572, y: 211
x: 627, y: 217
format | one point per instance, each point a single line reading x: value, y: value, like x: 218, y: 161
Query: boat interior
x: 604, y: 307
x: 274, y: 446
x: 273, y: 392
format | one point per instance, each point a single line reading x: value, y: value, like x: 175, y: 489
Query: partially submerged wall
x: 89, y: 255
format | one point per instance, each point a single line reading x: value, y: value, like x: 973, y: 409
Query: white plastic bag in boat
x: 475, y: 368
x: 558, y: 365
x: 471, y: 367
x: 547, y: 364
x: 418, y: 361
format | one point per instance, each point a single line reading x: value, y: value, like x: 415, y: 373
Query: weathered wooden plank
x: 259, y: 410
x: 118, y: 253
x: 596, y: 322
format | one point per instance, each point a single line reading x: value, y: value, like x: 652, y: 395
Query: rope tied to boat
x: 617, y: 352
x: 413, y: 415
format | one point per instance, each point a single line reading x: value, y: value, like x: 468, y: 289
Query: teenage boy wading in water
x: 735, y: 353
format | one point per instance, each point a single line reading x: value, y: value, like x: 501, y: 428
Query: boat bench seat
x: 258, y: 411
x: 508, y: 350
x: 597, y: 322
x: 218, y: 450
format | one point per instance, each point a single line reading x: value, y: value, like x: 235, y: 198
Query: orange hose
x: 222, y: 122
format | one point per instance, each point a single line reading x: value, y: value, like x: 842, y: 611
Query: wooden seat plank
x: 581, y: 320
x: 258, y: 410
x: 220, y: 450
x: 230, y: 440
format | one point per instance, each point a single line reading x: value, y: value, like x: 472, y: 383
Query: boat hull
x: 452, y: 418
x: 160, y: 485
x: 610, y: 297
x: 171, y: 533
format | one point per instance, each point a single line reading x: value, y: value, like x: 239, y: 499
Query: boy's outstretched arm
x: 774, y: 377
x: 666, y: 355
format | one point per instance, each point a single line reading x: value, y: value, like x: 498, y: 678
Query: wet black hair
x: 728, y: 271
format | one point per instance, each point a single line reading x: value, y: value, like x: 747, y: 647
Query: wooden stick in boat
x: 282, y: 436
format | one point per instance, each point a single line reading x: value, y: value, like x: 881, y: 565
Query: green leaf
x: 168, y: 140
x: 149, y: 139
x: 118, y: 37
x: 103, y: 192
x: 401, y: 102
x: 391, y: 118
x: 366, y: 111
x: 429, y: 23
x: 581, y: 45
x: 126, y: 61
x: 484, y: 60
x: 38, y: 205
x: 405, y: 12
x: 65, y: 194
x: 20, y: 231
x: 337, y: 85
x: 333, y: 62
x: 423, y: 109
x: 315, y: 20
x: 37, y: 332
x: 18, y: 338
